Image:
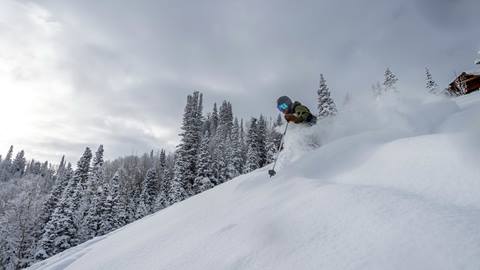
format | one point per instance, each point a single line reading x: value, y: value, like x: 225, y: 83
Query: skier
x: 295, y: 112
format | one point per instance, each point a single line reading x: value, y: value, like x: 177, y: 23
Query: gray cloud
x: 134, y: 62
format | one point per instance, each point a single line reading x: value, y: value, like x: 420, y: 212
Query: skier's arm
x: 290, y: 117
x: 302, y: 113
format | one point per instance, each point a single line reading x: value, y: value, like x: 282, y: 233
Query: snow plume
x: 394, y: 115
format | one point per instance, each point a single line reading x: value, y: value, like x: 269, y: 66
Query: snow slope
x: 395, y: 185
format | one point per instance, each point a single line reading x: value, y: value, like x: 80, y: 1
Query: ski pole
x: 272, y: 172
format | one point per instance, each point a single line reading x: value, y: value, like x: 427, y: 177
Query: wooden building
x: 465, y: 83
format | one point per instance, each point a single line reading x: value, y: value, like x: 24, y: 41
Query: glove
x: 290, y: 117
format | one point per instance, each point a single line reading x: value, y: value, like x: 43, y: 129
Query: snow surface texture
x: 395, y: 184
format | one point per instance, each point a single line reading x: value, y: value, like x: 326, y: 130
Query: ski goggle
x: 282, y: 107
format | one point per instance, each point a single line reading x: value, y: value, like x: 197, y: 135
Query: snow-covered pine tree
x: 253, y: 156
x: 219, y: 164
x: 60, y: 229
x: 44, y: 247
x: 66, y: 218
x: 262, y: 141
x: 390, y: 81
x: 113, y: 210
x: 80, y: 178
x: 91, y: 222
x: 28, y: 169
x: 92, y: 198
x: 47, y: 172
x: 133, y: 200
x: 186, y: 155
x: 163, y: 178
x: 61, y: 170
x: 115, y: 214
x: 243, y: 143
x: 326, y: 105
x: 149, y: 194
x: 204, y: 179
x: 225, y: 122
x: 235, y: 158
x: 97, y: 166
x: 219, y: 143
x: 18, y: 165
x: 5, y: 166
x: 214, y: 120
x: 105, y: 224
x: 431, y: 85
x: 207, y: 125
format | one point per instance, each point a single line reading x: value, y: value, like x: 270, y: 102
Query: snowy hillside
x: 394, y: 185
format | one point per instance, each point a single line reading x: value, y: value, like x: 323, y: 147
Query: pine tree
x: 149, y: 194
x: 326, y: 105
x: 390, y: 81
x: 431, y: 85
x: 253, y: 156
x: 163, y: 177
x: 230, y: 171
x: 220, y: 162
x: 207, y: 125
x: 244, y: 146
x: 6, y: 166
x: 112, y: 211
x: 62, y: 230
x: 93, y: 215
x: 97, y: 167
x: 261, y: 137
x: 80, y: 178
x: 214, y: 120
x: 92, y: 198
x: 236, y: 148
x: 203, y: 180
x: 19, y: 164
x: 44, y: 247
x: 35, y: 168
x: 133, y: 198
x: 116, y: 214
x: 225, y: 123
x: 186, y: 156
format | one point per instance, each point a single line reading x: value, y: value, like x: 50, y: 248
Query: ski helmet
x: 284, y: 103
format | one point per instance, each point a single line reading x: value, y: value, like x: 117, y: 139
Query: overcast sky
x: 81, y: 73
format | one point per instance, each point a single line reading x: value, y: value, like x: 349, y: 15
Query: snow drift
x: 394, y: 185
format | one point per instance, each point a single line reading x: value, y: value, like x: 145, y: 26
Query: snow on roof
x: 473, y: 71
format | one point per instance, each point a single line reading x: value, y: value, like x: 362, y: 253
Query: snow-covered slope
x: 395, y: 185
